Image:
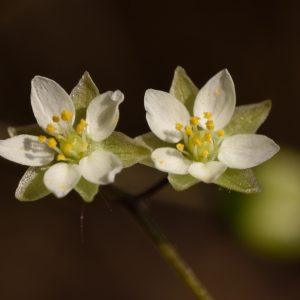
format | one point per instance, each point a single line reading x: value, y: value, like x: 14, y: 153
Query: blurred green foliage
x: 269, y: 221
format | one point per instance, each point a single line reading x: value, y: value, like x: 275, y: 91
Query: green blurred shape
x: 269, y: 221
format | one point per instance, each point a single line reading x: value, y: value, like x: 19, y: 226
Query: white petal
x: 207, y: 172
x: 49, y: 99
x: 26, y: 150
x: 170, y: 160
x: 244, y: 151
x: 100, y: 167
x: 163, y: 112
x: 218, y: 97
x: 61, y: 178
x: 103, y: 114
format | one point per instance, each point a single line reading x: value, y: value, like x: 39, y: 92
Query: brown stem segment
x: 164, y: 247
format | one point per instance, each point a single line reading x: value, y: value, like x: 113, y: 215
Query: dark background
x: 133, y: 46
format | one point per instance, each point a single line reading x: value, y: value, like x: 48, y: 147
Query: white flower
x: 68, y: 147
x: 203, y: 149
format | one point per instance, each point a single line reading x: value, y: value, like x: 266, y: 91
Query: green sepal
x: 248, y: 118
x: 243, y: 181
x: 182, y: 182
x: 86, y: 189
x: 31, y: 186
x: 82, y: 94
x: 150, y: 141
x: 32, y: 129
x: 128, y: 150
x: 183, y: 89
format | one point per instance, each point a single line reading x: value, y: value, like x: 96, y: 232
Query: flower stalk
x: 161, y: 243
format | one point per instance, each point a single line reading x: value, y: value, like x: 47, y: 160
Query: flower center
x: 200, y: 144
x: 70, y: 144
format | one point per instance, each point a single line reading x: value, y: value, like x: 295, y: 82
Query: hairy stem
x: 164, y: 247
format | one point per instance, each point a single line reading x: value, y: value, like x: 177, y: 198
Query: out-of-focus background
x: 243, y: 247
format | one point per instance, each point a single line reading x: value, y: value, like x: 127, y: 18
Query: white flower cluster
x: 71, y: 147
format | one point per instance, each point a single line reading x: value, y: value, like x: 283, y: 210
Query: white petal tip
x: 117, y: 96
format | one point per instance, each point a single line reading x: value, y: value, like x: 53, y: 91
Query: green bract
x: 215, y: 142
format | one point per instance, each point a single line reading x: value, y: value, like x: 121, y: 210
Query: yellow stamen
x: 179, y: 126
x: 180, y: 147
x: 210, y: 124
x: 52, y: 143
x: 207, y: 115
x: 161, y: 162
x: 83, y: 122
x: 55, y: 119
x: 221, y: 133
x: 61, y: 157
x: 197, y: 142
x: 80, y: 127
x: 207, y: 137
x: 42, y: 139
x: 194, y: 121
x: 188, y: 130
x: 67, y: 148
x: 205, y: 153
x: 66, y: 115
x: 50, y: 128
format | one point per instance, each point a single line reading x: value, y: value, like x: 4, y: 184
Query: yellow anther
x: 50, y: 128
x: 221, y: 133
x: 207, y: 137
x: 205, y: 153
x: 52, y: 143
x: 180, y: 147
x: 194, y: 121
x: 60, y: 157
x: 207, y: 115
x: 42, y: 139
x: 210, y: 124
x: 161, y: 162
x: 188, y: 130
x: 55, y: 119
x: 67, y: 148
x: 66, y: 115
x: 197, y: 142
x: 218, y: 92
x: 79, y: 128
x: 83, y: 122
x: 179, y: 126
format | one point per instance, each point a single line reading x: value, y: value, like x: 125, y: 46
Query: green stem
x: 164, y: 247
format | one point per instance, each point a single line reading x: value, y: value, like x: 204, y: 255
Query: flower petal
x: 170, y: 160
x: 217, y: 97
x: 244, y: 151
x: 163, y: 112
x: 207, y: 172
x: 103, y: 114
x: 49, y: 99
x: 26, y: 150
x: 100, y: 167
x: 61, y: 178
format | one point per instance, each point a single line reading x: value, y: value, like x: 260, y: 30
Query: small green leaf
x: 184, y: 89
x: 151, y: 142
x: 182, y: 182
x: 82, y: 94
x: 248, y: 118
x: 32, y: 129
x: 87, y: 190
x: 243, y: 181
x: 127, y: 149
x: 31, y: 187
